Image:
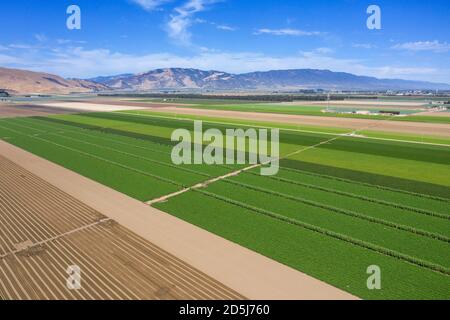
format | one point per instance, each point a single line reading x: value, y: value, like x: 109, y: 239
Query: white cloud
x: 69, y: 41
x: 22, y: 46
x: 225, y: 27
x: 323, y: 51
x: 287, y: 32
x: 82, y: 63
x: 434, y: 46
x: 364, y: 46
x: 40, y: 37
x: 150, y: 5
x: 180, y: 21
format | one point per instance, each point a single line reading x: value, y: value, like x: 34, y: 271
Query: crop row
x: 141, y: 147
x: 427, y: 204
x: 134, y: 184
x: 378, y: 186
x: 140, y: 131
x: 336, y: 262
x: 103, y: 146
x: 372, y: 210
x: 360, y: 243
x: 89, y: 154
x: 150, y: 151
x: 429, y: 154
x: 175, y: 175
x: 361, y: 197
x: 344, y: 212
x: 286, y: 137
x: 407, y: 242
x: 392, y: 149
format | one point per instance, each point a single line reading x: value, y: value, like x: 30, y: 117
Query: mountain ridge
x: 30, y: 82
x: 18, y: 81
x: 189, y: 78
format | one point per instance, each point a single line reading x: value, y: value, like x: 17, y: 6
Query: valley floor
x: 338, y: 205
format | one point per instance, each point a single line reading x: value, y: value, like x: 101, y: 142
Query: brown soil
x: 28, y: 110
x: 129, y: 103
x: 43, y: 231
x: 232, y: 266
x: 434, y: 114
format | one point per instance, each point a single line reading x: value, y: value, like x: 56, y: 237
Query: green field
x: 432, y: 139
x: 330, y: 212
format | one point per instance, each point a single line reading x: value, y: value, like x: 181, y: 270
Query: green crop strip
x: 100, y: 158
x: 88, y: 134
x: 113, y: 149
x: 345, y: 212
x: 409, y: 187
x: 338, y: 263
x: 357, y: 242
x: 153, y: 139
x: 316, y: 111
x: 433, y: 154
x: 164, y: 164
x: 392, y: 149
x: 135, y: 156
x: 355, y: 196
x: 146, y: 137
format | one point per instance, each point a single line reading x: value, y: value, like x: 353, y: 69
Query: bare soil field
x: 435, y: 129
x: 435, y: 114
x: 362, y: 103
x: 43, y: 231
x: 28, y: 110
x: 90, y: 106
x: 130, y: 102
x: 160, y: 251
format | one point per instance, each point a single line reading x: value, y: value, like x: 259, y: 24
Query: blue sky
x: 122, y: 36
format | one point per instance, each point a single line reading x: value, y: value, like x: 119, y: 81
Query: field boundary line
x: 231, y: 174
x: 59, y: 236
x: 198, y: 185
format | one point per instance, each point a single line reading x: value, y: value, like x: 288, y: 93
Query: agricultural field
x: 404, y: 137
x: 338, y: 205
x: 304, y: 109
x: 43, y: 230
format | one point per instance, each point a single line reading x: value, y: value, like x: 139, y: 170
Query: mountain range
x: 22, y: 81
x: 178, y: 78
